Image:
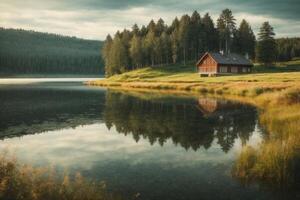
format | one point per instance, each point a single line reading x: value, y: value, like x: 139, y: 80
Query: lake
x: 143, y: 145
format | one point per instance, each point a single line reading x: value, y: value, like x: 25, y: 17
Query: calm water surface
x: 165, y: 147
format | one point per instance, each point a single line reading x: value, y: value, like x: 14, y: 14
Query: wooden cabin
x: 219, y: 63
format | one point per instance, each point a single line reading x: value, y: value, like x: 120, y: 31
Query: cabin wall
x: 208, y: 66
x: 233, y: 69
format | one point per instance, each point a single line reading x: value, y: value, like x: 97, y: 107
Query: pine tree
x: 158, y: 50
x: 174, y: 29
x: 266, y: 46
x: 143, y: 31
x: 245, y: 41
x: 119, y: 59
x: 106, y: 54
x: 166, y: 47
x: 210, y: 35
x: 151, y: 26
x: 160, y: 27
x: 226, y: 28
x: 136, y: 51
x: 149, y: 45
x: 184, y: 36
x: 126, y: 36
x: 135, y: 30
x: 196, y: 35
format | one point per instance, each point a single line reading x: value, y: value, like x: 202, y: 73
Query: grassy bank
x: 185, y: 78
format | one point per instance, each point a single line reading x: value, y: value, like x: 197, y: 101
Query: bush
x: 292, y: 96
x: 219, y: 91
x: 202, y: 90
x: 258, y: 90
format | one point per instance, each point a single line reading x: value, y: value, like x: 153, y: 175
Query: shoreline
x: 279, y: 112
x: 230, y: 87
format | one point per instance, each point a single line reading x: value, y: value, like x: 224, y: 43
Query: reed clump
x: 24, y: 182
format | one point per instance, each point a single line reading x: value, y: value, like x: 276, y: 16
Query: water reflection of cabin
x: 221, y: 63
x: 208, y: 106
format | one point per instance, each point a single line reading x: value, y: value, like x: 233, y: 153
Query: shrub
x: 258, y: 90
x: 203, y: 90
x: 243, y: 92
x: 292, y: 96
x: 219, y: 91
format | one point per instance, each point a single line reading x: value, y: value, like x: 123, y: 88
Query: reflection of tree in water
x: 35, y: 109
x: 181, y: 120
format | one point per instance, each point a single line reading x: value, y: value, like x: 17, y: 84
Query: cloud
x: 94, y: 19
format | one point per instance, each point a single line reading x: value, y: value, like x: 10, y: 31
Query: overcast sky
x: 94, y: 19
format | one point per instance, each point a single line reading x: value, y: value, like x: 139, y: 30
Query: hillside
x: 30, y: 52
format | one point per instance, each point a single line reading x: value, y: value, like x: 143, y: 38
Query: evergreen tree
x: 118, y: 56
x: 210, y: 34
x: 157, y: 48
x: 106, y: 54
x: 143, y: 31
x: 184, y: 36
x: 135, y: 29
x: 196, y: 35
x: 166, y: 47
x: 136, y: 51
x: 160, y: 27
x: 151, y: 26
x: 126, y: 36
x: 149, y: 45
x: 174, y: 29
x: 266, y: 46
x: 226, y: 28
x: 245, y: 41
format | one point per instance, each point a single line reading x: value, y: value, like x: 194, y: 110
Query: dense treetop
x: 34, y: 52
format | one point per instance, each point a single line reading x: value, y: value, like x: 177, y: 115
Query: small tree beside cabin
x: 219, y: 63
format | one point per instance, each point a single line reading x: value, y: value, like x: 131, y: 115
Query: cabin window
x: 223, y: 69
x: 234, y: 69
x: 245, y: 69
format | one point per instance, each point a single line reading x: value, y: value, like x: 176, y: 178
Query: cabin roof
x: 227, y: 59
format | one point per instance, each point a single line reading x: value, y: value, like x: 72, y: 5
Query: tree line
x: 181, y: 42
x: 287, y: 48
x: 187, y: 38
x: 24, y: 51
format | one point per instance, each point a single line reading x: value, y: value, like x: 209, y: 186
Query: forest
x: 30, y: 52
x: 187, y: 38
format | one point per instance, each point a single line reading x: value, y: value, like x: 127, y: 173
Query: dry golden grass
x: 23, y: 182
x: 275, y: 160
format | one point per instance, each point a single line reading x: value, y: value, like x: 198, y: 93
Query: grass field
x: 178, y: 77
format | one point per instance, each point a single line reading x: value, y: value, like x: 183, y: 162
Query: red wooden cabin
x: 219, y: 63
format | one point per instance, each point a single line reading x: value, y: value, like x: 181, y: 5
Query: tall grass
x: 24, y: 182
x: 276, y: 159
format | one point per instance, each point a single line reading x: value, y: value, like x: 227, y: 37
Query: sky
x: 94, y: 19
